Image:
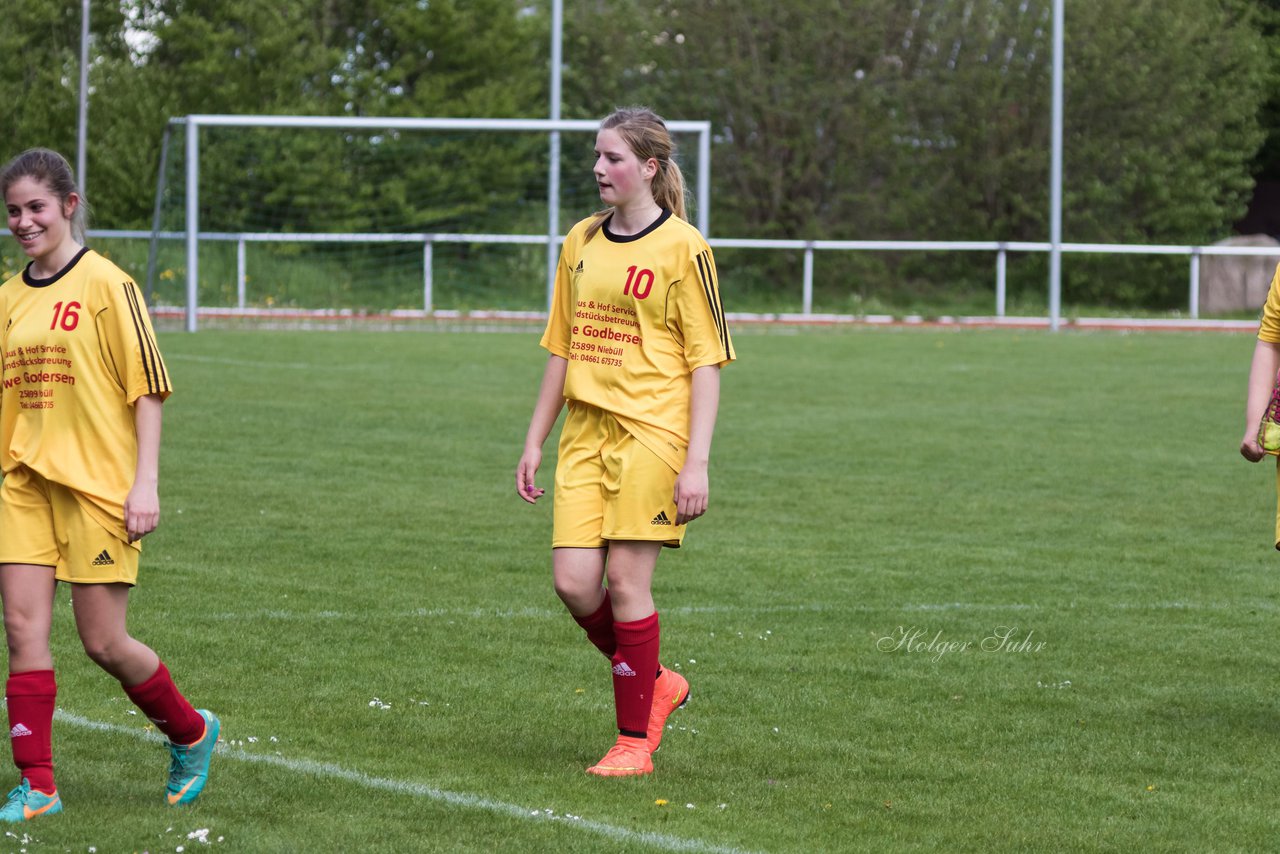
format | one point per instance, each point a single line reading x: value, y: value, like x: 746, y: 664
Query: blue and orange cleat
x: 189, y: 763
x: 25, y: 803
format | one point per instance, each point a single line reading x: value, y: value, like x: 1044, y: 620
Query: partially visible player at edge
x: 79, y: 447
x: 637, y: 337
x: 1262, y: 380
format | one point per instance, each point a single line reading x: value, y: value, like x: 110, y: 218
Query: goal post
x: 192, y: 171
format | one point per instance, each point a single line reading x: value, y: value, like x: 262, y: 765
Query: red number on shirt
x: 643, y: 281
x: 69, y: 316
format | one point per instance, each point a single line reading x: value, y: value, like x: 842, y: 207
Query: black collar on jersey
x: 32, y: 281
x: 627, y: 238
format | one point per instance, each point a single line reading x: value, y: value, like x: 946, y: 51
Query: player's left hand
x: 692, y: 488
x: 141, y: 512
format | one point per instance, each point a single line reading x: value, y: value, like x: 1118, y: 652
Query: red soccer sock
x: 635, y: 666
x: 30, y: 697
x: 599, y: 627
x: 164, y: 705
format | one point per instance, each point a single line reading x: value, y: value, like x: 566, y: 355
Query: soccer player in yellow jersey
x: 83, y: 383
x: 1262, y: 380
x: 637, y: 337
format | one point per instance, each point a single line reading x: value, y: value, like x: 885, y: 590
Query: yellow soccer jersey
x: 635, y: 315
x: 79, y: 349
x: 1269, y: 329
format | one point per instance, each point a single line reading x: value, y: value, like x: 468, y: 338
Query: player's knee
x: 106, y: 652
x: 24, y: 634
x: 624, y: 583
x: 576, y: 594
x: 570, y: 593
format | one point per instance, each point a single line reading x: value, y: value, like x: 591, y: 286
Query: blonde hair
x: 647, y: 136
x: 51, y: 169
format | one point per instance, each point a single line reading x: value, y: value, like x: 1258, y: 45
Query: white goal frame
x: 552, y: 237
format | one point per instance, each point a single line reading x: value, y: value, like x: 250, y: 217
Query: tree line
x: 832, y: 119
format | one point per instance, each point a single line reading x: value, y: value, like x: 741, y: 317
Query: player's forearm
x: 704, y: 404
x: 146, y: 420
x: 1262, y: 378
x: 550, y: 402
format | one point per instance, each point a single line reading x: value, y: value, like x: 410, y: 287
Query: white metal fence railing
x: 1001, y: 250
x: 809, y: 247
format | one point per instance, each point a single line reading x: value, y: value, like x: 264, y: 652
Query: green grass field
x: 344, y: 574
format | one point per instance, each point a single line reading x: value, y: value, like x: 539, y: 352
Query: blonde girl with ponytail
x: 636, y: 338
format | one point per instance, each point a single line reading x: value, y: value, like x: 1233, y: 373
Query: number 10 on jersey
x: 639, y: 282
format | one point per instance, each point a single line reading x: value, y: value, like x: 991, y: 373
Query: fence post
x: 240, y: 272
x: 1001, y: 285
x: 808, y: 278
x: 426, y: 273
x: 193, y: 223
x: 1194, y: 301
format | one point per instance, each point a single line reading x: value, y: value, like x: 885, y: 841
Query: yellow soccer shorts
x: 609, y: 486
x: 45, y: 523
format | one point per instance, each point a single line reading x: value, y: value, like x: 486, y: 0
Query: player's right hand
x: 1250, y: 449
x: 525, y: 472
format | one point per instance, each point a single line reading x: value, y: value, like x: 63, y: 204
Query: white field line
x: 549, y: 613
x: 503, y: 613
x: 419, y: 790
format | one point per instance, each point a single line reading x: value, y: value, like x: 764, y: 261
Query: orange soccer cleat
x: 628, y: 758
x: 670, y: 692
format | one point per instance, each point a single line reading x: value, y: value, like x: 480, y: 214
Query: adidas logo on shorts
x: 661, y: 518
x: 19, y: 730
x: 623, y: 669
x: 103, y: 559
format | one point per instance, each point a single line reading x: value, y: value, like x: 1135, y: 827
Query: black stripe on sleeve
x: 152, y: 364
x: 707, y: 275
x: 162, y: 372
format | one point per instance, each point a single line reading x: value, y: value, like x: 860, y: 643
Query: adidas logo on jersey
x: 19, y: 730
x: 103, y: 559
x: 579, y: 268
x: 623, y: 669
x: 661, y: 518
